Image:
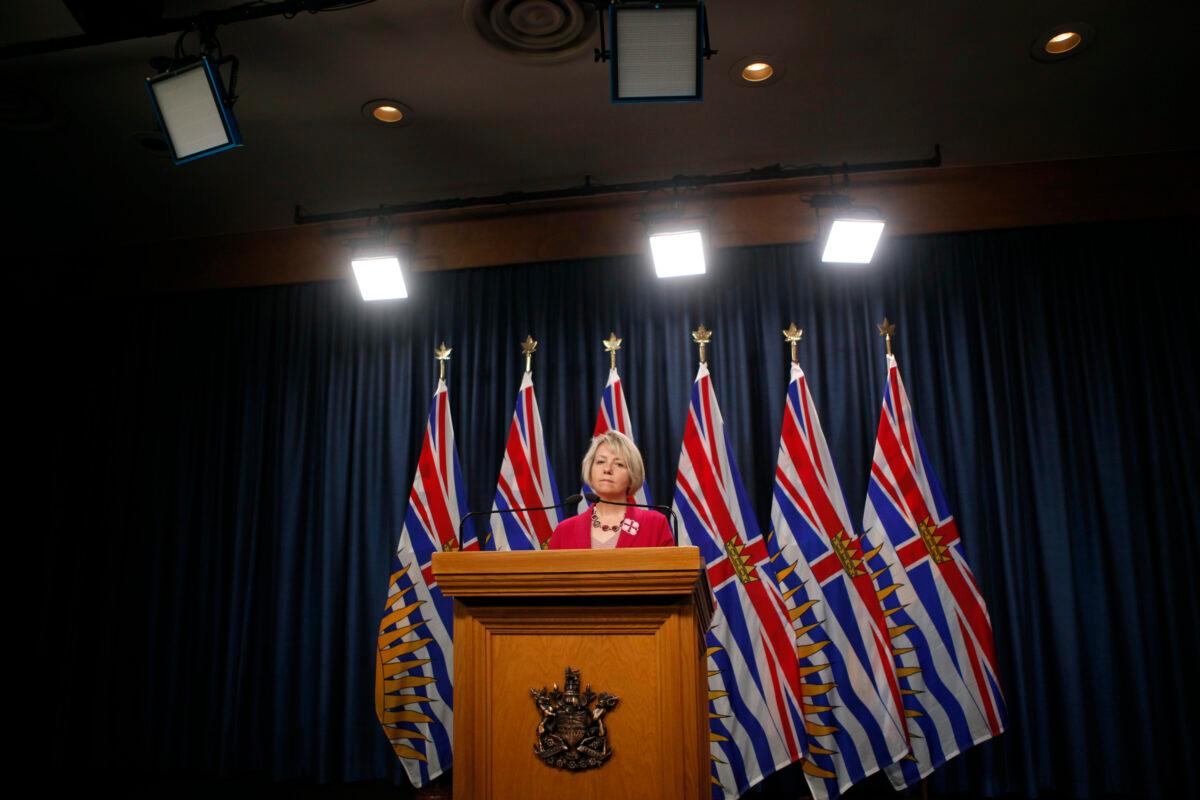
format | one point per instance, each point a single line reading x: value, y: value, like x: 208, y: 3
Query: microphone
x: 573, y: 500
x: 666, y: 511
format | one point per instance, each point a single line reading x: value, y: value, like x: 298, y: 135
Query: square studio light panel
x: 656, y: 53
x: 190, y: 106
x: 852, y: 241
x: 678, y: 253
x: 380, y: 278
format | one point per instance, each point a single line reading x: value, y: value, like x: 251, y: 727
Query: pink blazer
x: 576, y: 533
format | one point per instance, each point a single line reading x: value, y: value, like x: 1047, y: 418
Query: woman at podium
x: 614, y: 469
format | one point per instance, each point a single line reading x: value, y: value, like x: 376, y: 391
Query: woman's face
x: 610, y: 475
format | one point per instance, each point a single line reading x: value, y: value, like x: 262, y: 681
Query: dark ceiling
x: 865, y: 80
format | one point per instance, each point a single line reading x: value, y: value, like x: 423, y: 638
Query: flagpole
x: 886, y: 329
x: 792, y: 337
x: 442, y: 354
x: 611, y: 345
x: 702, y: 336
x: 529, y: 347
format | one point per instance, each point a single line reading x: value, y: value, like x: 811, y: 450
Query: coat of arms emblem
x: 572, y: 734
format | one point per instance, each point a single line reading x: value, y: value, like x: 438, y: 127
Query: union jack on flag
x: 754, y: 693
x: 525, y: 481
x: 851, y: 692
x: 414, y: 666
x: 614, y: 416
x: 943, y: 636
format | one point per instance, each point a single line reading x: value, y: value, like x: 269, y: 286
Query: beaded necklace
x: 597, y: 524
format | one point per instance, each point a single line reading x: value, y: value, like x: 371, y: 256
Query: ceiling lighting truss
x: 589, y: 188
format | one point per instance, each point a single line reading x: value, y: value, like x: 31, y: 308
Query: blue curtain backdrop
x: 225, y: 475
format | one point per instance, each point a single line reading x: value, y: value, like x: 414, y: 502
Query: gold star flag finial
x: 702, y: 336
x: 792, y: 336
x: 442, y: 354
x: 529, y: 347
x: 886, y: 329
x: 611, y: 345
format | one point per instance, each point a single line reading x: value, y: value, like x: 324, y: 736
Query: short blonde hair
x: 625, y: 449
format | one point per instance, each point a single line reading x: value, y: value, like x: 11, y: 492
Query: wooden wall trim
x: 941, y: 200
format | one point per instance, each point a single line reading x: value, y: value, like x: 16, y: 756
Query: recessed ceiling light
x: 390, y: 113
x: 757, y: 71
x: 387, y: 114
x: 1062, y: 41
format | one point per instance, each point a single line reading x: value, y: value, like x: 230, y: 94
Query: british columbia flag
x: 756, y: 723
x: 614, y: 416
x: 852, y: 703
x: 940, y: 626
x: 525, y: 482
x: 414, y: 666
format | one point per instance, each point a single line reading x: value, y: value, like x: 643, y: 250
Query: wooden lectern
x: 631, y: 621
